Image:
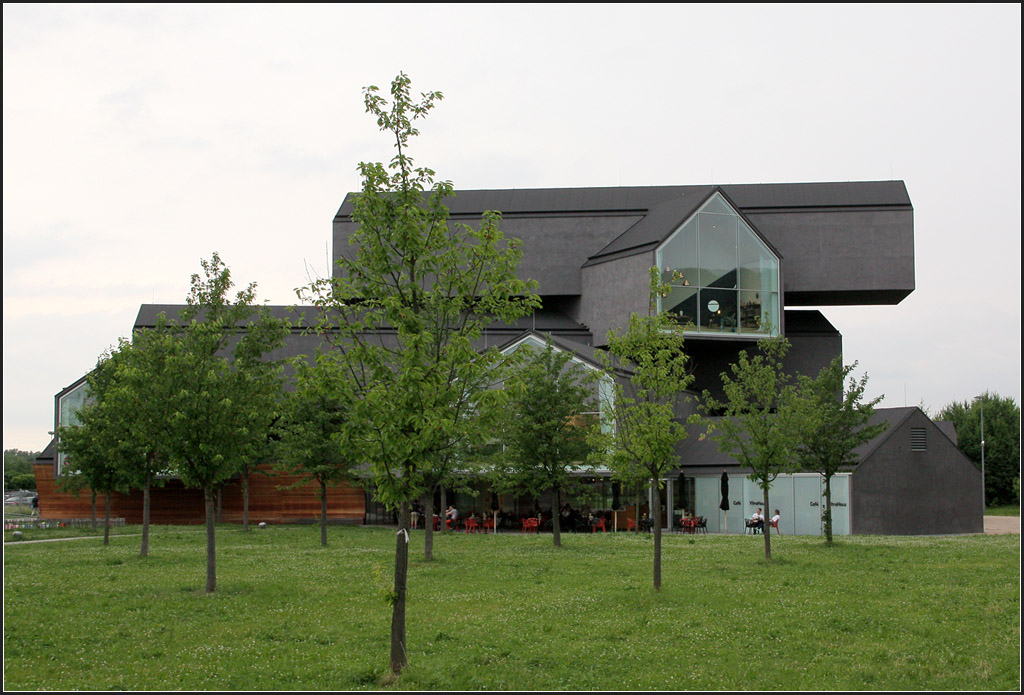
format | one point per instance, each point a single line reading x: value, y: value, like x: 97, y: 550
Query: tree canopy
x: 102, y: 447
x: 549, y: 410
x: 317, y: 437
x: 214, y: 390
x: 18, y: 463
x: 1002, y: 441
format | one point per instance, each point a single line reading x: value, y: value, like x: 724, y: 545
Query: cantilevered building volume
x: 744, y: 262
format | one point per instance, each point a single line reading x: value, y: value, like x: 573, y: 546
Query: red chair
x: 489, y: 524
x: 631, y: 524
x: 599, y: 524
x: 531, y: 525
x: 775, y: 525
x: 472, y: 526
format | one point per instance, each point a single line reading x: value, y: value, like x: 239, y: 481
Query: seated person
x: 756, y: 521
x: 646, y: 524
x: 451, y: 516
x: 775, y: 519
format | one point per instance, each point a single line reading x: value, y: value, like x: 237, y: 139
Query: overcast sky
x: 140, y: 139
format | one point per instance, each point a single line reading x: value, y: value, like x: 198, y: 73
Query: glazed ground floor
x: 799, y: 499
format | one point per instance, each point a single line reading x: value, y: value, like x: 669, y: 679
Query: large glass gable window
x: 67, y: 414
x: 722, y: 278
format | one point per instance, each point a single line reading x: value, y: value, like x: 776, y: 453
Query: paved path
x: 1002, y: 524
x: 71, y: 538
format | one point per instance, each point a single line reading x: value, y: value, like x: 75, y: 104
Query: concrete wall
x: 612, y: 291
x: 842, y: 257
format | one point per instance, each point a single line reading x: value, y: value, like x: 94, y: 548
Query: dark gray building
x: 743, y: 262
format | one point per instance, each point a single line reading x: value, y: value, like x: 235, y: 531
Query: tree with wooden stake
x: 405, y: 310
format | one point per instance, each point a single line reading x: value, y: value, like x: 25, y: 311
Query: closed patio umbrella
x: 724, y: 506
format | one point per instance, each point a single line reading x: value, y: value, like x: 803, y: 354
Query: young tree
x: 317, y: 437
x: 217, y: 405
x: 1002, y: 440
x: 101, y: 447
x: 141, y: 364
x: 644, y: 419
x: 832, y: 420
x: 405, y: 309
x: 259, y: 386
x: 545, y: 428
x: 757, y: 423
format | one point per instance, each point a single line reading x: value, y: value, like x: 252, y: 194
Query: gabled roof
x: 700, y: 451
x: 585, y: 353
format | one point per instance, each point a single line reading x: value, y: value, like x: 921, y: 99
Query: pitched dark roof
x: 699, y: 451
x: 585, y: 352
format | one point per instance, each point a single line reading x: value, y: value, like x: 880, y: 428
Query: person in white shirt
x: 775, y: 521
x: 757, y: 521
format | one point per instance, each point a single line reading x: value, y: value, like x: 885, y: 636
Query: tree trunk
x: 245, y: 500
x: 556, y: 513
x: 428, y: 525
x: 211, y: 539
x: 93, y: 510
x: 636, y: 509
x: 766, y: 530
x: 828, y: 509
x: 399, y: 657
x: 323, y: 513
x: 220, y: 505
x: 656, y: 527
x: 444, y: 508
x: 144, y: 549
x: 106, y: 522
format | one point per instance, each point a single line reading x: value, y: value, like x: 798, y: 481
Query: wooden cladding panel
x: 173, y: 503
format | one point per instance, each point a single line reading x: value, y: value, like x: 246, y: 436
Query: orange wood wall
x: 173, y: 503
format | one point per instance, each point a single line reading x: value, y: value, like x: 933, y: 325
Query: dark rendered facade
x: 743, y: 262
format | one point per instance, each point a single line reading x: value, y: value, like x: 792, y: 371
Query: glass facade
x: 605, y: 392
x: 67, y: 414
x: 722, y: 278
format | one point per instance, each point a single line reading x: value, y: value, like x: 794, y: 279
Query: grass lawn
x: 1008, y: 510
x: 512, y: 613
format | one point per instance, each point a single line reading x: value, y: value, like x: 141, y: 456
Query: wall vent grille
x: 918, y: 439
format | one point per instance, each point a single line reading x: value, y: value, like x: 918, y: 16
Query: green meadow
x: 510, y: 612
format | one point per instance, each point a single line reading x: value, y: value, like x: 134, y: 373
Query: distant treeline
x: 18, y: 469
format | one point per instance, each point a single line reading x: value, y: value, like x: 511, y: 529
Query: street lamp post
x: 981, y: 402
